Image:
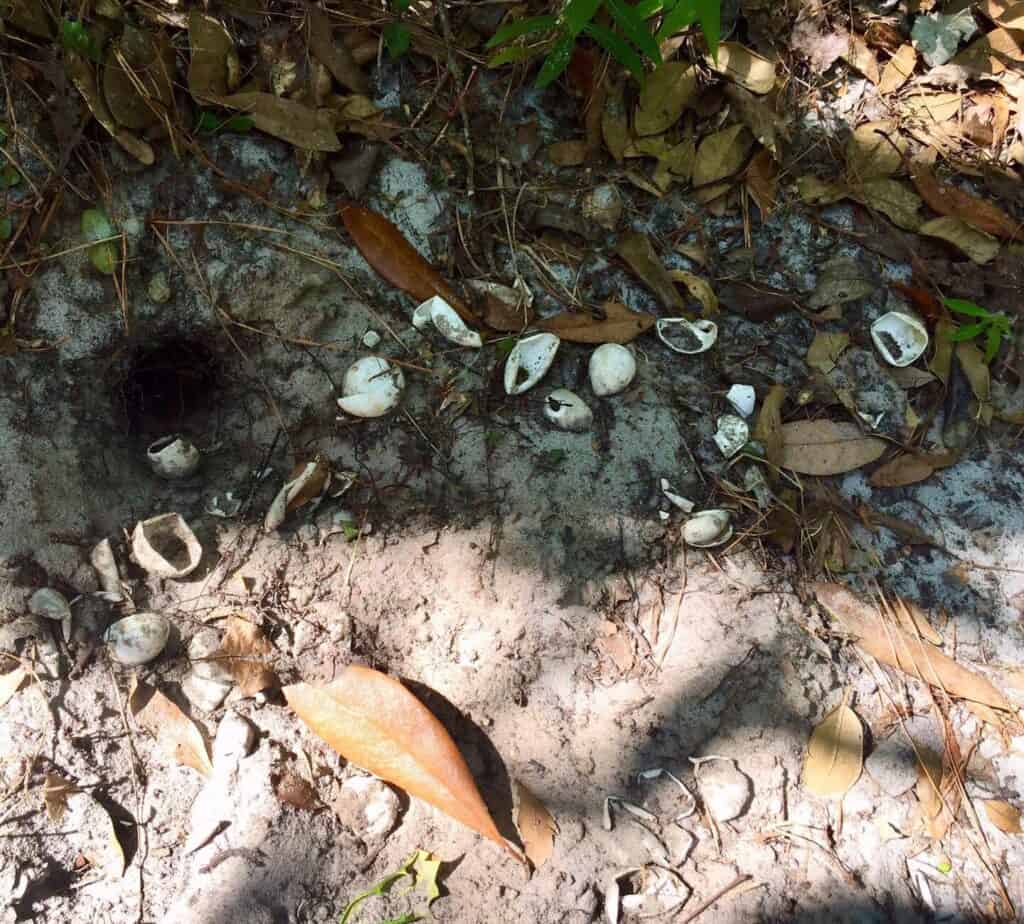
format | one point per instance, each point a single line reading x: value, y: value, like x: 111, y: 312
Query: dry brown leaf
x: 835, y: 753
x: 981, y: 248
x: 568, y: 153
x: 96, y: 834
x: 898, y: 70
x: 1012, y: 17
x: 931, y: 108
x: 243, y: 651
x: 903, y: 470
x: 825, y: 350
x: 896, y: 648
x: 699, y: 288
x: 914, y: 621
x: 377, y: 724
x: 862, y: 59
x: 759, y: 116
x: 638, y: 252
x: 615, y: 123
x: 10, y: 683
x: 619, y: 325
x: 385, y: 248
x: 300, y: 125
x: 722, y: 154
x: 535, y: 824
x: 814, y: 191
x: 333, y: 53
x: 56, y: 791
x: 937, y: 792
x: 137, y: 77
x: 827, y: 447
x: 213, y: 68
x: 874, y: 149
x: 897, y: 201
x: 946, y: 199
x: 941, y: 363
x: 744, y: 67
x: 666, y: 93
x: 762, y: 179
x: 992, y: 53
x: 768, y: 431
x: 1003, y: 815
x: 174, y: 730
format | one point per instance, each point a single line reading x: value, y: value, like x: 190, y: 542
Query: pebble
x: 725, y: 789
x: 201, y: 649
x: 203, y: 693
x: 368, y: 807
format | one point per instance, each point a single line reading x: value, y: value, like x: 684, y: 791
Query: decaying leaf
x: 898, y: 649
x: 744, y: 67
x: 875, y: 149
x: 376, y: 723
x: 615, y: 122
x: 768, y: 431
x: 619, y: 325
x: 762, y: 179
x: 722, y: 154
x: 174, y: 730
x: 914, y: 621
x: 898, y: 70
x: 894, y: 199
x: 385, y: 248
x: 979, y: 247
x: 825, y: 350
x: 568, y: 153
x: 56, y: 791
x: 972, y: 361
x: 638, y: 252
x: 334, y: 54
x: 931, y: 108
x: 699, y: 289
x: 827, y: 447
x: 300, y: 125
x: 835, y: 753
x: 213, y: 68
x: 243, y: 651
x: 861, y: 58
x: 937, y: 791
x: 908, y: 468
x: 1003, y: 815
x: 947, y: 199
x: 10, y: 683
x: 666, y: 93
x: 138, y: 77
x: 535, y: 824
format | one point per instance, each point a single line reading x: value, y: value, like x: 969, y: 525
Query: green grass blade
x: 634, y: 28
x: 968, y: 331
x: 578, y: 13
x: 520, y: 28
x: 618, y: 48
x: 992, y: 341
x: 709, y: 15
x: 683, y: 14
x: 556, y: 61
x: 962, y: 306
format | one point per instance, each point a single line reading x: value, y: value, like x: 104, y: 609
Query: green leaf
x: 397, y: 37
x: 578, y: 13
x: 645, y: 9
x: 635, y: 29
x: 75, y: 37
x: 968, y: 332
x: 522, y: 27
x: 992, y: 341
x: 400, y: 6
x: 709, y: 15
x: 618, y: 48
x: 97, y: 227
x: 209, y: 123
x: 351, y: 532
x: 556, y: 61
x: 380, y: 888
x: 514, y: 54
x: 6, y: 228
x: 683, y: 14
x: 408, y: 918
x: 9, y: 176
x: 962, y: 306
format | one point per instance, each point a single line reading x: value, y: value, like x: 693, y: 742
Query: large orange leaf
x: 978, y: 213
x: 385, y: 248
x: 619, y: 325
x: 376, y: 723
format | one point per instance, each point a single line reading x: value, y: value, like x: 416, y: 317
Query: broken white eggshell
x: 51, y: 604
x: 612, y: 368
x: 743, y: 398
x: 165, y: 546
x: 685, y: 336
x: 307, y: 483
x: 371, y: 339
x: 676, y: 500
x: 173, y: 457
x: 371, y: 387
x: 567, y: 410
x: 137, y: 639
x: 732, y: 434
x: 708, y: 528
x: 435, y: 310
x: 529, y: 360
x: 900, y: 338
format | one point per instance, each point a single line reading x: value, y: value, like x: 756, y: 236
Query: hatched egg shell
x: 308, y: 483
x: 435, y: 310
x: 49, y: 603
x: 612, y: 368
x: 567, y: 410
x: 708, y: 529
x: 732, y: 434
x: 371, y: 387
x: 137, y: 639
x: 165, y: 546
x: 528, y: 362
x: 685, y: 336
x: 899, y: 337
x: 173, y: 457
x: 743, y: 398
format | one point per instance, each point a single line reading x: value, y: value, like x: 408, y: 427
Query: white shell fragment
x: 900, y: 338
x: 676, y: 500
x: 654, y: 891
x: 367, y: 806
x: 603, y: 206
x: 307, y: 484
x: 612, y: 368
x: 165, y: 546
x: 732, y: 434
x: 137, y: 639
x: 743, y: 398
x: 529, y: 360
x: 567, y: 410
x: 371, y: 339
x: 708, y: 528
x: 685, y: 336
x: 173, y: 457
x: 51, y: 604
x: 435, y: 310
x: 724, y: 788
x: 371, y: 387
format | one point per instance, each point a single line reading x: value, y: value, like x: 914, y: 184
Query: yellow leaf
x: 826, y: 447
x: 898, y: 70
x: 174, y: 730
x: 666, y: 93
x: 699, y: 288
x: 1003, y: 815
x: 536, y: 827
x: 743, y: 66
x: 835, y: 753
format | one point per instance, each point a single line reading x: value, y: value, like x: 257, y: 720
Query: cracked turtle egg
x: 567, y: 410
x: 900, y: 338
x: 51, y: 604
x: 685, y: 336
x: 173, y: 457
x: 435, y: 310
x: 371, y: 387
x: 707, y: 529
x: 137, y: 639
x: 165, y: 546
x: 612, y: 368
x: 528, y: 362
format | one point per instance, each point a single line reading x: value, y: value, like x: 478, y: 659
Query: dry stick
x: 721, y: 893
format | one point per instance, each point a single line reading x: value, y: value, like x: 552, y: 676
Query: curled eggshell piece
x: 685, y: 336
x: 732, y: 434
x: 51, y: 604
x: 567, y: 410
x: 173, y: 457
x: 371, y: 387
x: 743, y: 398
x: 307, y: 483
x: 708, y: 529
x: 899, y: 337
x: 138, y: 638
x: 528, y: 362
x: 612, y: 368
x: 435, y: 310
x: 165, y: 546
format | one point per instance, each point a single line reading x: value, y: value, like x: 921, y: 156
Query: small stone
x: 201, y: 650
x: 234, y: 740
x: 725, y: 789
x: 159, y: 288
x: 368, y: 807
x: 371, y: 339
x: 203, y: 693
x: 892, y: 765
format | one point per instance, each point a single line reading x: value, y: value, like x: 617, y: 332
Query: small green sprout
x: 993, y: 325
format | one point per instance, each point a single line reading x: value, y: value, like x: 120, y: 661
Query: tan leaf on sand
x: 213, y: 68
x: 638, y: 252
x: 947, y: 199
x: 937, y: 789
x: 1012, y: 17
x: 931, y: 108
x: 768, y: 431
x: 896, y: 200
x: 377, y: 724
x: 333, y: 53
x: 762, y: 179
x: 759, y: 116
x: 243, y: 651
x: 903, y: 470
x: 874, y: 149
x: 862, y: 59
x: 981, y: 248
x: 972, y: 362
x: 835, y: 753
x: 825, y: 350
x: 722, y: 154
x: 666, y: 93
x: 699, y: 289
x: 300, y: 125
x: 619, y: 325
x: 56, y: 791
x: 536, y: 827
x: 385, y: 248
x: 174, y: 730
x: 827, y: 447
x: 898, y: 70
x: 1003, y: 815
x: 568, y: 153
x: 744, y: 67
x: 10, y: 683
x: 914, y: 621
x: 898, y: 649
